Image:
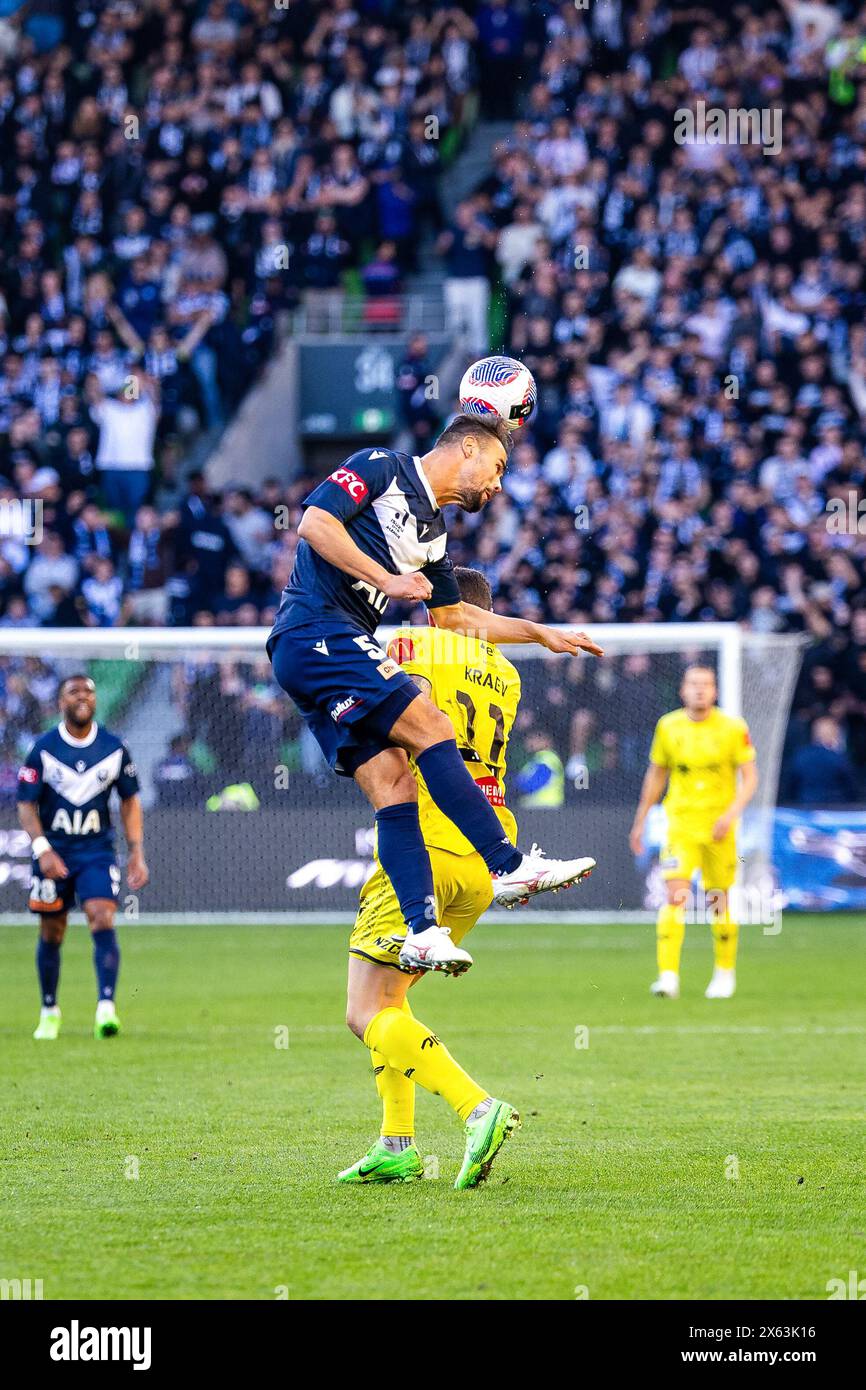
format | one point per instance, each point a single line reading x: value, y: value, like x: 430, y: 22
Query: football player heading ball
x: 374, y: 530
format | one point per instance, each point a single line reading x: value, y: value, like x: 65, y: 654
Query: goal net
x: 244, y: 821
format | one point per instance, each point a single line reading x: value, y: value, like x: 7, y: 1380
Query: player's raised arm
x: 477, y: 622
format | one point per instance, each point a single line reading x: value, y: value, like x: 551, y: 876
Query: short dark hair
x: 473, y: 587
x: 67, y: 680
x: 462, y: 425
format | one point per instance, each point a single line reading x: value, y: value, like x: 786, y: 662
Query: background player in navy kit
x: 374, y: 530
x: 65, y: 785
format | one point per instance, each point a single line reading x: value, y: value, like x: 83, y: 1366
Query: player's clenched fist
x: 408, y: 586
x: 569, y: 642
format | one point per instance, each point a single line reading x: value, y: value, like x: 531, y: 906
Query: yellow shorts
x: 685, y: 854
x: 463, y: 891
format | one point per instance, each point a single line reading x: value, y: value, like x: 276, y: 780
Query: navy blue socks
x: 106, y: 960
x: 453, y: 788
x: 48, y: 967
x: 403, y: 856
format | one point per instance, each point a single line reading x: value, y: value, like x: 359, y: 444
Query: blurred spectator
x: 466, y: 247
x: 501, y: 27
x: 127, y: 427
x: 822, y: 773
x: 540, y: 782
x: 51, y: 573
x: 149, y: 564
x: 177, y: 781
x: 102, y: 593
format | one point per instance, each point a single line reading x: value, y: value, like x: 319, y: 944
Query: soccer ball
x: 499, y: 386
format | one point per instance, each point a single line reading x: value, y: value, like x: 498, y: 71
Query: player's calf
x: 106, y: 963
x: 51, y: 933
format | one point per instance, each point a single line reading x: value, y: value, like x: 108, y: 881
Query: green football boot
x: 49, y: 1026
x: 381, y: 1165
x: 484, y: 1139
x: 107, y: 1024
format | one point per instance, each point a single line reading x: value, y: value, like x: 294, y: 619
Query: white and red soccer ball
x: 499, y: 386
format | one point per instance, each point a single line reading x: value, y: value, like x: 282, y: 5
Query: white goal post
x: 243, y: 822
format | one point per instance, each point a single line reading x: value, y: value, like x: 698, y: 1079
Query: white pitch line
x: 652, y: 1029
x: 748, y: 1030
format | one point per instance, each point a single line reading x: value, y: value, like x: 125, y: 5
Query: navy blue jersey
x: 71, y: 781
x: 388, y: 508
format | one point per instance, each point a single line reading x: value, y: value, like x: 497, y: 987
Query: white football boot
x: 722, y: 985
x: 48, y: 1029
x: 433, y: 949
x: 667, y: 986
x: 537, y: 874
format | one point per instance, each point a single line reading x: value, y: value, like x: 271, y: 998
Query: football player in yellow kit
x: 472, y: 682
x: 707, y: 761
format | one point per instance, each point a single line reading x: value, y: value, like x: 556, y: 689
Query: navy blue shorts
x: 90, y: 876
x: 348, y: 689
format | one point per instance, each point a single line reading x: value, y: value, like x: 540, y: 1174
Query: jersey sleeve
x: 354, y: 485
x: 30, y: 777
x: 445, y: 589
x: 412, y: 649
x: 658, y: 754
x: 744, y: 749
x: 127, y: 781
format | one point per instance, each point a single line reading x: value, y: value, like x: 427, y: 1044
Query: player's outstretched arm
x: 493, y: 627
x: 329, y: 538
x: 137, y: 872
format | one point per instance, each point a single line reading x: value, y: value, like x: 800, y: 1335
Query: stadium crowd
x: 175, y: 176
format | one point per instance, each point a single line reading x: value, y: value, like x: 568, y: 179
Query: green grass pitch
x: 695, y: 1150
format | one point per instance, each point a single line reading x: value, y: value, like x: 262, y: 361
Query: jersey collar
x: 77, y: 742
x: 416, y: 459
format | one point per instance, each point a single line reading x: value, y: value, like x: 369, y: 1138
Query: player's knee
x: 436, y: 728
x: 678, y: 895
x: 357, y: 1019
x: 404, y: 788
x: 52, y: 931
x: 101, y: 918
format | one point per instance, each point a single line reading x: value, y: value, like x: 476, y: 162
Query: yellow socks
x: 670, y: 930
x: 410, y: 1048
x: 725, y: 934
x: 397, y: 1093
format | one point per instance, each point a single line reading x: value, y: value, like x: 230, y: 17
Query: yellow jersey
x: 702, y: 757
x: 479, y: 690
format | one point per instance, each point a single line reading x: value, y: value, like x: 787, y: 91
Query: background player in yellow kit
x: 473, y: 683
x: 707, y: 761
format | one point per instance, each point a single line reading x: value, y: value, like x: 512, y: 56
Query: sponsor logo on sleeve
x: 350, y: 483
x: 28, y: 774
x: 342, y: 707
x: 387, y: 668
